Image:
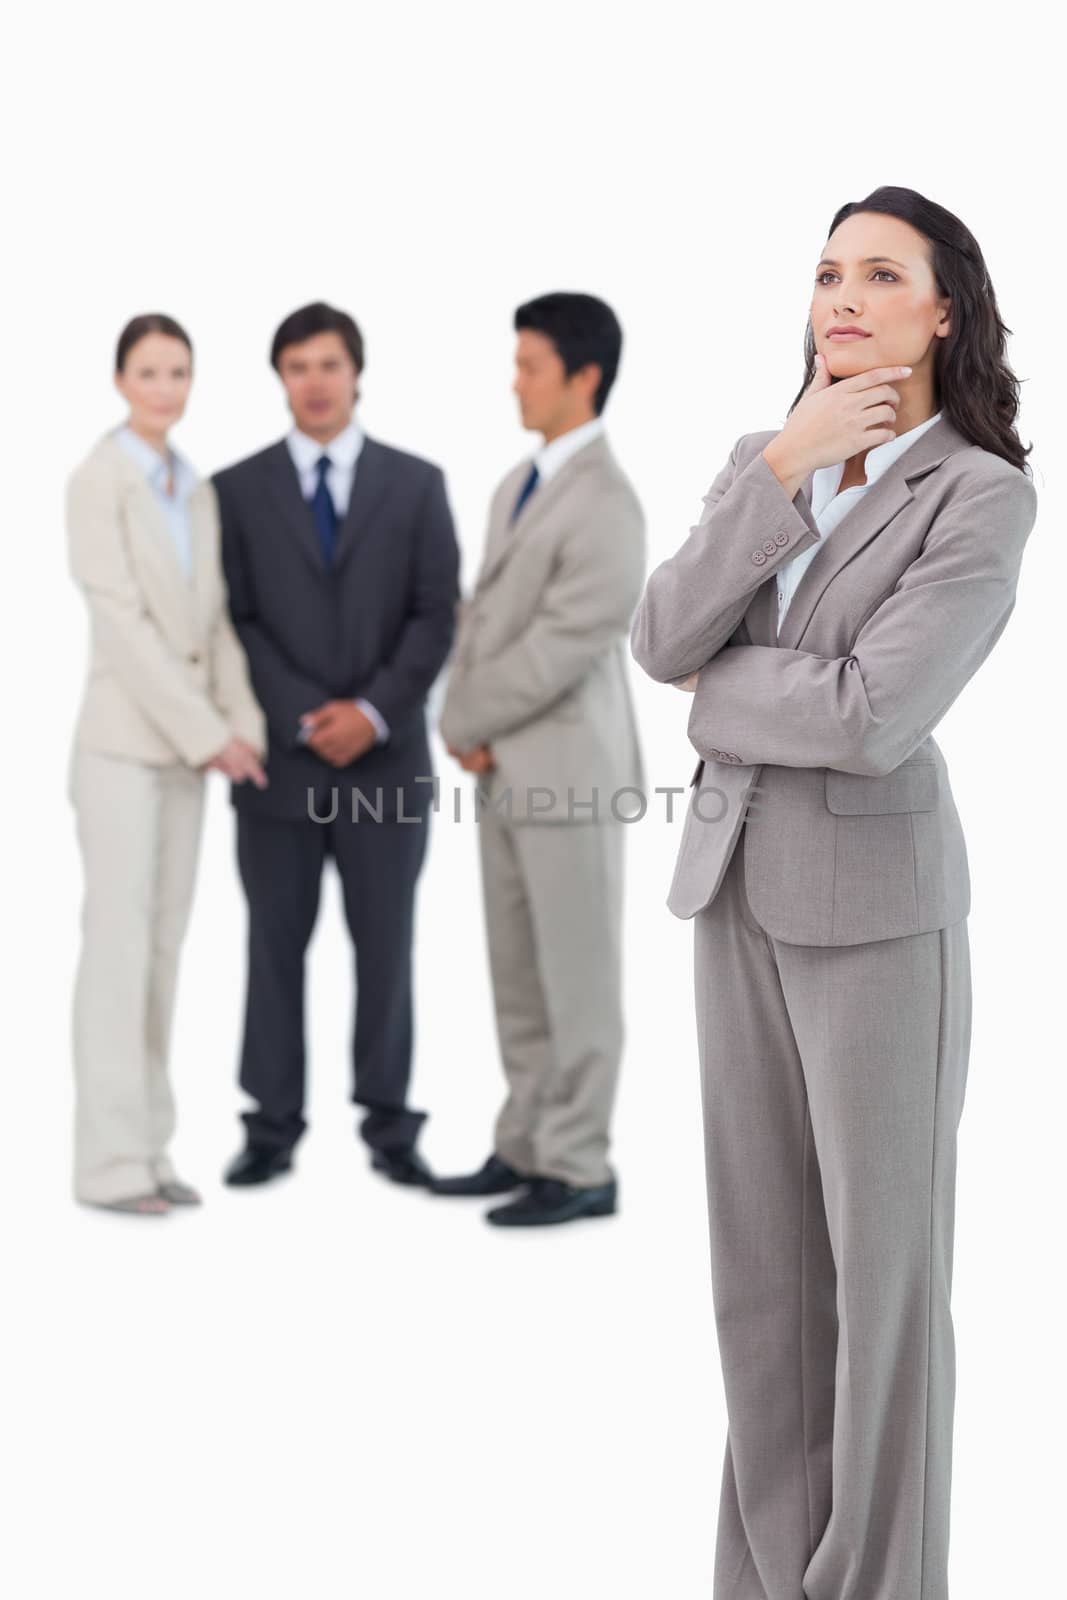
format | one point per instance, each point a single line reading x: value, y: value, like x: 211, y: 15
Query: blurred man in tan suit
x: 538, y: 706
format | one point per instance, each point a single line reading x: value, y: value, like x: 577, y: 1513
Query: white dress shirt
x: 344, y: 451
x: 551, y: 457
x: 829, y: 508
x: 161, y: 471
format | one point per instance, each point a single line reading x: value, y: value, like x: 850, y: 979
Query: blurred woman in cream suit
x: 168, y: 696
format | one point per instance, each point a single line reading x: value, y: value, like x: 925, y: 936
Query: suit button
x: 781, y: 539
x: 759, y: 558
x: 194, y: 658
x: 770, y: 547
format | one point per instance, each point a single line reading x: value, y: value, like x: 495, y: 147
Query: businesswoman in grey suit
x: 168, y: 696
x: 849, y: 574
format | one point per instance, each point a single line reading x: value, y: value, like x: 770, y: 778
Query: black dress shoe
x: 495, y: 1177
x: 257, y: 1164
x: 548, y: 1200
x: 403, y: 1166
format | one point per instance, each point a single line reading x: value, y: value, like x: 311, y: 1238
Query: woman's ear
x: 944, y: 326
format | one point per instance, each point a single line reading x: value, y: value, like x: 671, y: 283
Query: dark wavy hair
x: 149, y: 322
x: 976, y: 388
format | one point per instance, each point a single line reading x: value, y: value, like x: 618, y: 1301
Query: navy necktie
x: 526, y: 491
x: 324, y: 511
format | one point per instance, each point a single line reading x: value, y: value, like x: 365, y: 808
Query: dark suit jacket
x: 378, y: 624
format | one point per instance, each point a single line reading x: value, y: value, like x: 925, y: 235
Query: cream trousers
x: 139, y: 833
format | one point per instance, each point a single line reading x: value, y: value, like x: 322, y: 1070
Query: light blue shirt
x: 173, y: 502
x: 343, y: 451
x: 829, y: 508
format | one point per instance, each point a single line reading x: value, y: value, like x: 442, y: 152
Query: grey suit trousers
x: 553, y: 912
x: 833, y: 1081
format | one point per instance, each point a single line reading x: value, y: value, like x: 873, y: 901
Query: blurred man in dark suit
x: 342, y: 567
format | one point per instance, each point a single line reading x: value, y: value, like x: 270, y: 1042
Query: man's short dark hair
x: 583, y: 330
x: 317, y: 318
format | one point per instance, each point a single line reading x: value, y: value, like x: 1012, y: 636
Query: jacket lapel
x: 871, y: 513
x: 368, y: 490
x: 500, y: 530
x: 204, y: 550
x: 138, y: 490
x: 285, y: 490
x: 145, y: 514
x: 505, y: 536
x: 761, y: 618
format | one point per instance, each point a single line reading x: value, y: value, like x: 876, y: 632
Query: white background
x: 334, y: 1387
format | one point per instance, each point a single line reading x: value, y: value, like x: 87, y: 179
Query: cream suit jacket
x: 540, y: 670
x: 168, y: 680
x: 822, y: 733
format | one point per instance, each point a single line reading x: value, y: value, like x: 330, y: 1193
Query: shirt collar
x: 876, y: 462
x: 551, y: 457
x: 343, y: 450
x: 155, y: 467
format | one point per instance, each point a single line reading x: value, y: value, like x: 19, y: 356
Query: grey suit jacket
x: 540, y: 669
x: 852, y: 831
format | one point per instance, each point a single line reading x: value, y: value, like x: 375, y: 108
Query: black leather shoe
x: 548, y: 1200
x: 495, y: 1177
x: 403, y: 1166
x: 257, y: 1164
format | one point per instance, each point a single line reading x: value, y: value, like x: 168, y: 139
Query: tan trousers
x: 553, y: 909
x: 139, y: 834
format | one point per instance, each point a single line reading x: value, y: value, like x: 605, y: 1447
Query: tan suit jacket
x: 853, y: 834
x: 541, y: 668
x: 168, y: 680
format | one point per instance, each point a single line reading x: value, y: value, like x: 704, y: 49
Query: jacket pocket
x: 914, y: 786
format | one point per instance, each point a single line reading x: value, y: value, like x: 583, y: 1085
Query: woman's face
x: 155, y: 382
x: 875, y: 276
